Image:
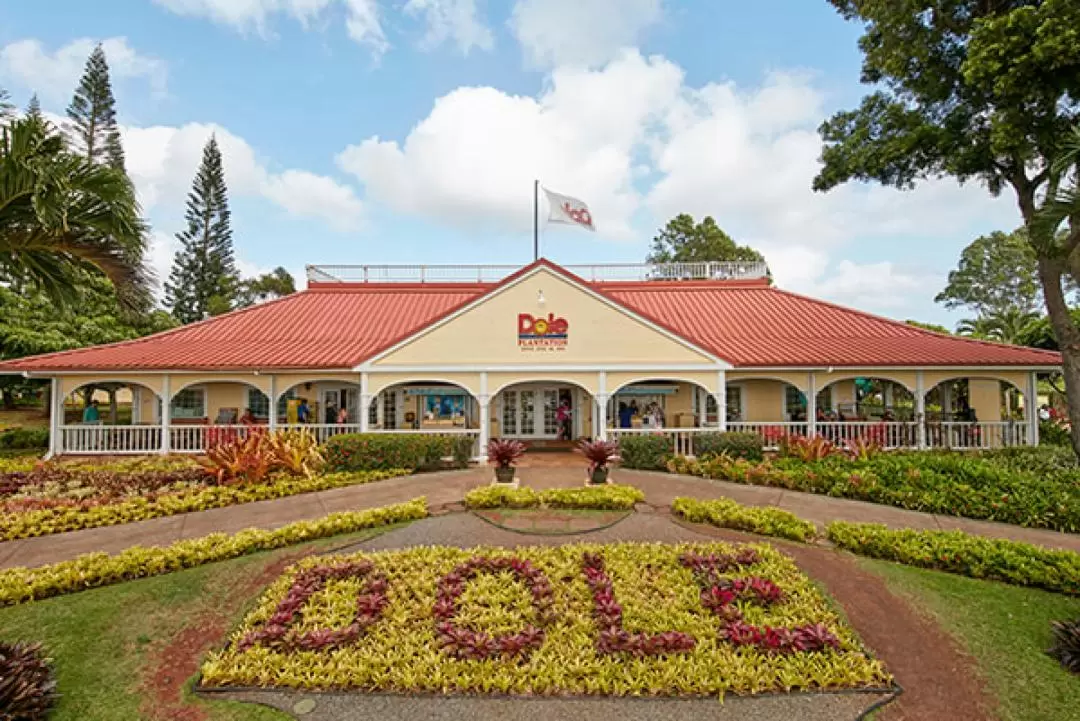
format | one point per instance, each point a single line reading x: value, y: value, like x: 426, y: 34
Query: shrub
x: 997, y: 559
x: 645, y: 451
x: 1066, y: 644
x: 737, y: 444
x: 91, y: 570
x: 250, y: 459
x: 24, y: 439
x: 607, y: 497
x: 27, y: 683
x: 505, y: 452
x: 726, y: 513
x: 382, y: 451
x: 1054, y: 433
x: 862, y: 448
x: 139, y: 508
x: 806, y: 449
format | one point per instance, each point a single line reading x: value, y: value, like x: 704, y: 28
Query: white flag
x: 565, y: 209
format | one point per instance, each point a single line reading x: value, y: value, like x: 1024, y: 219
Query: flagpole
x: 536, y: 220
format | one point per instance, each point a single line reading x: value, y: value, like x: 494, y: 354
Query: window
x: 373, y: 411
x: 794, y: 403
x: 734, y: 403
x: 189, y: 403
x: 259, y: 403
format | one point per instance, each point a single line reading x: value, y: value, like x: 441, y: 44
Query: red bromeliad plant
x: 720, y: 594
x: 599, y: 454
x: 807, y: 449
x: 505, y: 452
x: 468, y: 645
x: 607, y: 611
x: 864, y: 448
x: 370, y: 604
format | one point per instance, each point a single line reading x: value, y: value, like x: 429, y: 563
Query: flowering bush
x: 90, y: 570
x: 726, y: 513
x: 619, y: 619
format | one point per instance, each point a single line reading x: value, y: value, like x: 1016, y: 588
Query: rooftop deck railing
x: 595, y: 273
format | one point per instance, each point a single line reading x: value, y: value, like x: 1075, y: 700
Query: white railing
x: 197, y: 438
x: 770, y: 432
x: 981, y: 434
x: 887, y: 434
x: 112, y: 440
x: 322, y: 431
x: 598, y: 272
x: 682, y: 439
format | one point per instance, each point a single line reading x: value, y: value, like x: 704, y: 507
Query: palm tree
x: 61, y: 215
x: 1006, y: 326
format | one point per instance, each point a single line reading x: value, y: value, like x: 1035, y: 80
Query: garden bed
x: 619, y: 619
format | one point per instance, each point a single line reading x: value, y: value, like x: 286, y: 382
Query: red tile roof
x: 748, y: 324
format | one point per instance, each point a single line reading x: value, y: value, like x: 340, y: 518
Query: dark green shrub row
x: 24, y: 439
x: 1000, y: 487
x: 384, y: 451
x: 957, y: 552
x: 651, y: 451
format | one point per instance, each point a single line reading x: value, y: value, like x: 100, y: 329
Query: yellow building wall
x: 597, y: 332
x: 501, y: 380
x: 1016, y: 378
x: 843, y: 394
x: 762, y: 401
x: 289, y: 381
x: 797, y: 379
x: 177, y: 382
x: 225, y: 395
x: 904, y: 378
x: 70, y: 384
x: 985, y: 399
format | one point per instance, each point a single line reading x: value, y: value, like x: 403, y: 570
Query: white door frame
x: 538, y: 388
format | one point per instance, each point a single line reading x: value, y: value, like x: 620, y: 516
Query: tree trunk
x: 1068, y: 338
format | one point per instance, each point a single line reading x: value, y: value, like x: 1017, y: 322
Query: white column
x: 811, y: 404
x: 601, y: 407
x: 380, y: 409
x: 271, y: 414
x: 1031, y: 408
x: 946, y: 400
x: 721, y: 401
x: 485, y: 419
x: 888, y: 393
x: 365, y: 404
x: 920, y: 409
x: 56, y: 418
x: 166, y: 401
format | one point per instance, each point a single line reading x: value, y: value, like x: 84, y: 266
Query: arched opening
x: 867, y: 408
x: 113, y: 416
x: 543, y: 412
x: 661, y: 403
x: 318, y: 403
x: 206, y: 413
x: 975, y: 412
x: 430, y: 406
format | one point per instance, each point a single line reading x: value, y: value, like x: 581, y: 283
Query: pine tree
x: 6, y: 108
x: 204, y: 281
x: 93, y: 130
x: 33, y: 109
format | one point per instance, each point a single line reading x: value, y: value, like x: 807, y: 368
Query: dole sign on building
x: 550, y: 333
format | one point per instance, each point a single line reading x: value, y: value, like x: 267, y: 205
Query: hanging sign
x: 542, y: 334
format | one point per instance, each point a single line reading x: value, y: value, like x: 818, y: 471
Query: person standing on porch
x: 91, y: 414
x: 303, y: 412
x: 562, y: 417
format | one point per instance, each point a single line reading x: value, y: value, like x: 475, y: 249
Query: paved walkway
x: 449, y: 487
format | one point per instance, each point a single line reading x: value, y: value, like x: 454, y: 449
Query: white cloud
x: 55, y: 75
x: 472, y: 161
x: 555, y: 33
x: 454, y: 20
x: 364, y: 24
x: 162, y: 161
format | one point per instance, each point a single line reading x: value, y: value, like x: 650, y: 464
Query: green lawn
x: 105, y: 640
x: 1006, y: 629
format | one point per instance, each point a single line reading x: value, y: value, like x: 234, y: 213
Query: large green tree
x: 62, y: 215
x: 1005, y: 326
x: 204, y: 281
x: 92, y: 126
x: 684, y: 241
x: 30, y: 323
x: 979, y: 90
x: 996, y: 273
x: 278, y: 283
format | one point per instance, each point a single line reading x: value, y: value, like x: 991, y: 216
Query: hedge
x: 726, y: 513
x: 645, y: 451
x: 42, y: 522
x: 737, y: 444
x: 20, y: 439
x: 91, y: 570
x: 996, y: 559
x: 384, y: 451
x: 606, y: 498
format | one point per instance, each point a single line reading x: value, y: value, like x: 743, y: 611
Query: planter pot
x: 504, y: 475
x: 598, y: 477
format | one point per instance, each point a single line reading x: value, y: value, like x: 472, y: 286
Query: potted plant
x: 504, y: 453
x: 600, y: 454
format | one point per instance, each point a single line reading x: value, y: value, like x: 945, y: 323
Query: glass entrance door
x: 531, y: 412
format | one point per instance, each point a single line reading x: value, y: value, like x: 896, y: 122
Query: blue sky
x: 377, y: 131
